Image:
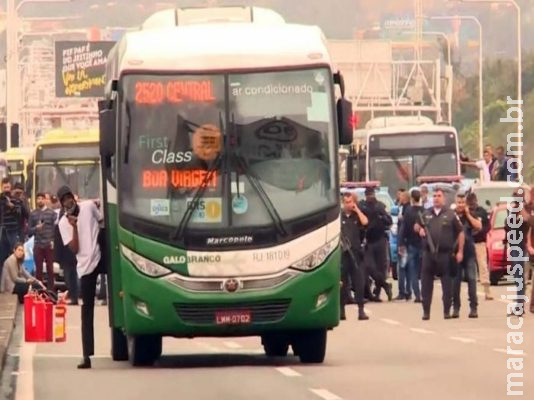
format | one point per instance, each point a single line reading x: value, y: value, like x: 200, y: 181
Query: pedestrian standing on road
x: 19, y: 195
x: 411, y: 244
x: 404, y: 282
x: 15, y: 279
x: 376, y: 252
x: 79, y: 228
x: 468, y: 266
x: 67, y: 262
x: 522, y: 220
x: 41, y: 226
x: 480, y: 243
x: 443, y: 238
x: 11, y: 213
x: 353, y: 222
x: 426, y: 201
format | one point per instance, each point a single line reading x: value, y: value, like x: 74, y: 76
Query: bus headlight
x: 144, y: 265
x: 316, y: 258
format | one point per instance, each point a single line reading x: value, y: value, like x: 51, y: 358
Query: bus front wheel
x: 144, y: 350
x: 310, y: 346
x: 119, y: 345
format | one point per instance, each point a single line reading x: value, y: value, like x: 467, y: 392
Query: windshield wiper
x: 256, y: 185
x: 179, y: 232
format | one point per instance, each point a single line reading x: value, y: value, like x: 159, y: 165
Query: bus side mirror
x: 344, y: 118
x: 107, y: 116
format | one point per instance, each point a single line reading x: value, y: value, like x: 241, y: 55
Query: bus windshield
x: 83, y: 179
x: 258, y: 143
x: 398, y: 160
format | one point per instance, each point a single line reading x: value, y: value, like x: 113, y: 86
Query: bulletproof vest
x: 442, y: 229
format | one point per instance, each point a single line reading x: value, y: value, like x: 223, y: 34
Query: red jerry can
x: 60, y: 328
x: 38, y: 319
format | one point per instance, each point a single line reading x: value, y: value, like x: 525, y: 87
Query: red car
x: 495, y: 244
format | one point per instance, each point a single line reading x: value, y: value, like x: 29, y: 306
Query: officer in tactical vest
x: 353, y: 222
x: 444, y: 239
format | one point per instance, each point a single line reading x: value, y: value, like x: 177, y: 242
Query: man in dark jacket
x: 353, y: 221
x: 376, y: 240
x: 410, y: 242
x: 12, y: 212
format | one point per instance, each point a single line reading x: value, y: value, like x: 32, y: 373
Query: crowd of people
x: 65, y: 231
x: 493, y: 166
x: 435, y: 241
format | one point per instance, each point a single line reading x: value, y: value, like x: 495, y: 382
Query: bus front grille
x: 268, y: 311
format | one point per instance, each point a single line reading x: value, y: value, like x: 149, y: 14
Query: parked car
x: 489, y: 194
x: 496, y: 244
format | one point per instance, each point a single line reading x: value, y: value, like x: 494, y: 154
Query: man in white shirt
x: 79, y: 228
x: 483, y: 165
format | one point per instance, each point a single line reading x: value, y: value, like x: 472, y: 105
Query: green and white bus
x: 219, y: 138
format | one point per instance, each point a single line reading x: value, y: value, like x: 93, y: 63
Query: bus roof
x: 69, y: 136
x: 411, y: 129
x: 18, y: 152
x: 391, y: 121
x: 219, y: 46
x: 202, y: 15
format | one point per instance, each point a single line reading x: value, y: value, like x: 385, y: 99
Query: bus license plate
x: 233, y: 317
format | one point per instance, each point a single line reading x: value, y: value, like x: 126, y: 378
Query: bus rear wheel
x: 275, y: 345
x: 144, y: 350
x: 119, y: 345
x: 310, y: 346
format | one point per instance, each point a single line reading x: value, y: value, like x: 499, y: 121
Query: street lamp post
x: 519, y: 104
x: 480, y: 79
x: 13, y: 78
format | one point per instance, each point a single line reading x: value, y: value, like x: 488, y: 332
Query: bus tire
x: 275, y: 345
x: 119, y: 345
x: 311, y: 346
x: 144, y: 350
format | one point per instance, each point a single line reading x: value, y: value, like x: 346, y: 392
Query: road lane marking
x: 53, y: 355
x: 25, y: 388
x: 421, y: 330
x: 504, y: 351
x: 233, y: 345
x: 325, y: 394
x: 390, y: 321
x: 288, y: 372
x: 461, y: 339
x: 501, y: 351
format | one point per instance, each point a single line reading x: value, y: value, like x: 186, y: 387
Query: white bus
x: 398, y: 150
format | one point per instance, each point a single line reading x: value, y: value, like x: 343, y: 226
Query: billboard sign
x: 81, y: 68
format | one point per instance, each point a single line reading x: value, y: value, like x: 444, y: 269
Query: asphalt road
x: 394, y: 355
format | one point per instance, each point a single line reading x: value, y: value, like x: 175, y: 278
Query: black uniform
x: 352, y: 233
x: 439, y: 250
x: 376, y: 253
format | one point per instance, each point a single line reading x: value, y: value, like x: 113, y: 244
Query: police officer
x: 353, y: 221
x: 471, y: 224
x: 444, y: 239
x: 376, y: 259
